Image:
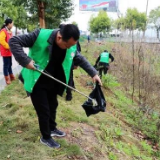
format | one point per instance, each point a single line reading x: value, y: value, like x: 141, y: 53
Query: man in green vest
x: 53, y: 51
x: 71, y: 81
x: 102, y: 62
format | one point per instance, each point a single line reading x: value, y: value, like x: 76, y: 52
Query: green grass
x: 109, y: 135
x: 109, y: 81
x: 17, y: 115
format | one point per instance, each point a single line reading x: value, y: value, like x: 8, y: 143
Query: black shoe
x: 50, y: 143
x: 57, y: 133
x: 68, y: 98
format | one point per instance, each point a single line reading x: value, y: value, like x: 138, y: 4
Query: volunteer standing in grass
x: 53, y: 51
x: 71, y: 80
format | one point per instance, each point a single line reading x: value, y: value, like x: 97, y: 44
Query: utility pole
x: 147, y: 7
x: 146, y: 16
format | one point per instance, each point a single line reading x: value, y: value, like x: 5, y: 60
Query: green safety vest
x: 104, y: 57
x: 40, y: 54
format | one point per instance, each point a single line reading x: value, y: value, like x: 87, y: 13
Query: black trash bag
x: 96, y: 94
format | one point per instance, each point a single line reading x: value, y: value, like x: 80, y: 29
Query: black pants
x: 7, y: 65
x: 70, y: 83
x: 103, y: 67
x: 45, y: 103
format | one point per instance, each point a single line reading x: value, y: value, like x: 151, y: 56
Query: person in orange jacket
x: 5, y: 35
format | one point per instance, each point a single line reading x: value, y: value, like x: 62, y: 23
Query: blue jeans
x: 7, y: 66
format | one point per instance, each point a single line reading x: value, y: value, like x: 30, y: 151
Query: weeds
x: 109, y: 81
x: 111, y: 133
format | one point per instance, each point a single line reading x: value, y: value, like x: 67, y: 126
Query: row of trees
x: 132, y: 20
x: 35, y: 13
x: 49, y: 13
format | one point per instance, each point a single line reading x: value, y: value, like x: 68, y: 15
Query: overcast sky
x: 82, y: 18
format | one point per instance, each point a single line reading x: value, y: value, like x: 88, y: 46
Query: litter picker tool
x: 57, y: 80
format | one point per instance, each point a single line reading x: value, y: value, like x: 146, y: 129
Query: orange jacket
x: 4, y: 39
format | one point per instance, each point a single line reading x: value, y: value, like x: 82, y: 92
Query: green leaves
x: 154, y: 17
x: 134, y: 19
x: 7, y: 10
x: 100, y: 23
x: 26, y: 14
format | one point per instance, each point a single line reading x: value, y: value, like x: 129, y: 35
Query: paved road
x: 15, y: 66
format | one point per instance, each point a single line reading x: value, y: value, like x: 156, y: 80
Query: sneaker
x: 50, y: 143
x: 57, y: 133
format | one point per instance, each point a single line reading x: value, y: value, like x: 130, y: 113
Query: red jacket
x: 4, y: 47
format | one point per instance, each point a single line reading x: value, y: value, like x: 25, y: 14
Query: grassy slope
x: 108, y: 135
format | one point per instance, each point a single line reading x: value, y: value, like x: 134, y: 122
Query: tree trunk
x: 139, y: 76
x: 157, y: 33
x: 16, y: 31
x: 133, y: 66
x: 41, y: 14
x: 146, y: 22
x: 144, y: 34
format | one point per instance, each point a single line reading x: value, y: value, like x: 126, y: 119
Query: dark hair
x: 61, y: 25
x: 105, y: 51
x: 69, y: 31
x: 6, y: 22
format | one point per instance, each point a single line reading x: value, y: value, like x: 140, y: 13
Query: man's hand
x: 97, y: 79
x: 31, y: 65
